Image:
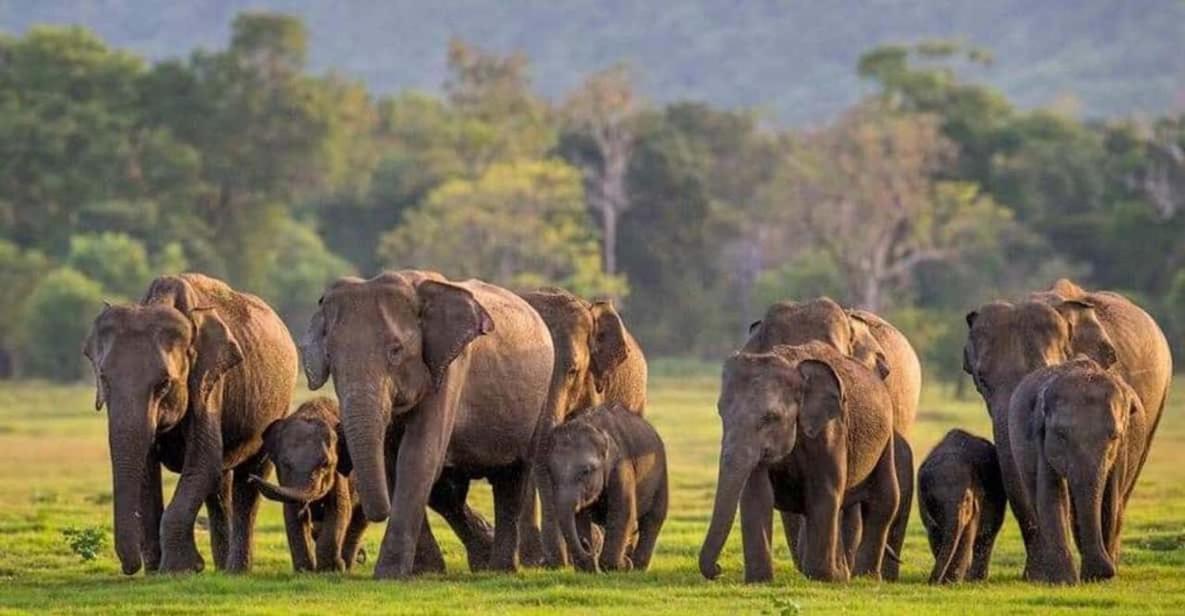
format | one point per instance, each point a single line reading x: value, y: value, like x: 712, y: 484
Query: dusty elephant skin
x: 596, y: 361
x: 808, y: 431
x: 879, y: 346
x: 191, y: 375
x: 1077, y: 436
x: 961, y: 500
x: 435, y: 379
x: 313, y: 467
x: 1007, y: 341
x: 608, y: 467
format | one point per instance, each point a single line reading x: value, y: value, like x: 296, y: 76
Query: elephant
x: 313, y: 468
x: 844, y: 458
x: 596, y: 360
x: 879, y: 346
x: 1006, y: 341
x: 1077, y: 433
x: 609, y: 467
x: 191, y: 375
x: 961, y: 500
x: 436, y: 379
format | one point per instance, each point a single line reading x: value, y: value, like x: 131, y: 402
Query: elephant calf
x: 608, y: 466
x: 1078, y: 434
x: 961, y: 499
x: 320, y: 504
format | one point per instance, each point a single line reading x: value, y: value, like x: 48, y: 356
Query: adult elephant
x: 456, y: 371
x: 1006, y: 341
x: 597, y: 360
x: 192, y: 376
x: 879, y: 346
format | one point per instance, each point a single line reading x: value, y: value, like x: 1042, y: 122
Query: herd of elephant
x: 543, y: 394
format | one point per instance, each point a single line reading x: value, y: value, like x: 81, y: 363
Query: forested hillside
x: 793, y: 59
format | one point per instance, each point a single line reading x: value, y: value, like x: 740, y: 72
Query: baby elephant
x: 320, y: 502
x: 1077, y: 433
x: 609, y: 467
x: 962, y: 503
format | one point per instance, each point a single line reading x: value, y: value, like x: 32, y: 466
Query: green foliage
x: 114, y: 260
x: 57, y: 316
x: 299, y: 269
x: 811, y: 274
x: 522, y: 225
x: 19, y: 273
x: 85, y: 542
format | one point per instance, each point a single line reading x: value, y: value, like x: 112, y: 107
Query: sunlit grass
x: 54, y: 474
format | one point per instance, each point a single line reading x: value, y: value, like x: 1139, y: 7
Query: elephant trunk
x: 952, y: 533
x: 735, y: 468
x: 129, y: 436
x: 1087, y: 495
x: 582, y: 555
x: 286, y: 494
x: 364, y: 419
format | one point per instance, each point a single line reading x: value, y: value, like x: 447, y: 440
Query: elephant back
x: 904, y: 382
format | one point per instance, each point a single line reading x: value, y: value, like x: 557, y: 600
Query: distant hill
x: 793, y: 59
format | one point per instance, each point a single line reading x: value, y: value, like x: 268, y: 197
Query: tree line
x: 931, y: 195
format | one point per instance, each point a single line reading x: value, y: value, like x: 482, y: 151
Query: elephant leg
x: 244, y: 508
x: 509, y: 494
x: 201, y: 476
x: 333, y: 528
x: 530, y: 536
x: 1053, y: 513
x: 621, y: 521
x: 903, y: 459
x: 852, y: 532
x: 878, y: 511
x: 448, y: 498
x: 428, y: 557
x: 757, y: 515
x: 353, y: 538
x: 555, y: 549
x: 792, y: 525
x: 1022, y: 508
x: 151, y: 508
x: 299, y: 527
x: 821, y: 557
x: 648, y: 528
x: 218, y: 507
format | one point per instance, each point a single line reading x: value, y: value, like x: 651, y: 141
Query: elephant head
x: 824, y: 320
x: 1007, y: 341
x: 590, y: 342
x: 579, y: 463
x: 766, y: 401
x: 308, y: 453
x: 153, y: 364
x: 388, y: 343
x: 1080, y: 423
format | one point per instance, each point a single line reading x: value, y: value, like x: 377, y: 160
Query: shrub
x: 114, y: 260
x: 85, y: 542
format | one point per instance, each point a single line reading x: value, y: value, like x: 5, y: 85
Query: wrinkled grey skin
x: 879, y: 346
x: 313, y: 468
x: 1007, y: 341
x: 1078, y: 434
x: 435, y: 379
x: 609, y: 468
x: 807, y: 430
x: 961, y: 500
x: 597, y: 361
x: 191, y: 376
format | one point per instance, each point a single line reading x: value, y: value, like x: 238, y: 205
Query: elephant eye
x: 395, y: 350
x: 770, y: 418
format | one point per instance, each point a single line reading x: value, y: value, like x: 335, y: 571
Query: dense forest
x: 790, y: 59
x: 930, y: 194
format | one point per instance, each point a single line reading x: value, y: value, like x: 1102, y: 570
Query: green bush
x: 114, y: 260
x: 85, y: 542
x: 57, y: 317
x: 297, y: 273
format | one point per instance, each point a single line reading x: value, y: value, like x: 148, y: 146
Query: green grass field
x: 54, y: 474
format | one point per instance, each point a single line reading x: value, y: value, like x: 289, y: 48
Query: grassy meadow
x: 54, y: 474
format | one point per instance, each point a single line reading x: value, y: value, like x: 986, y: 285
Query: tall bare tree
x: 605, y: 108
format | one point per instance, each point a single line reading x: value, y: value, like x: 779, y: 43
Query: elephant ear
x: 1087, y: 335
x: 94, y: 354
x: 865, y: 348
x: 215, y: 351
x: 450, y: 318
x: 312, y: 350
x: 823, y: 396
x: 609, y: 349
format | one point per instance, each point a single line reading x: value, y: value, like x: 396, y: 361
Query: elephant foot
x: 1099, y: 572
x: 185, y: 560
x: 625, y: 565
x: 530, y: 551
x: 337, y: 565
x: 391, y: 572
